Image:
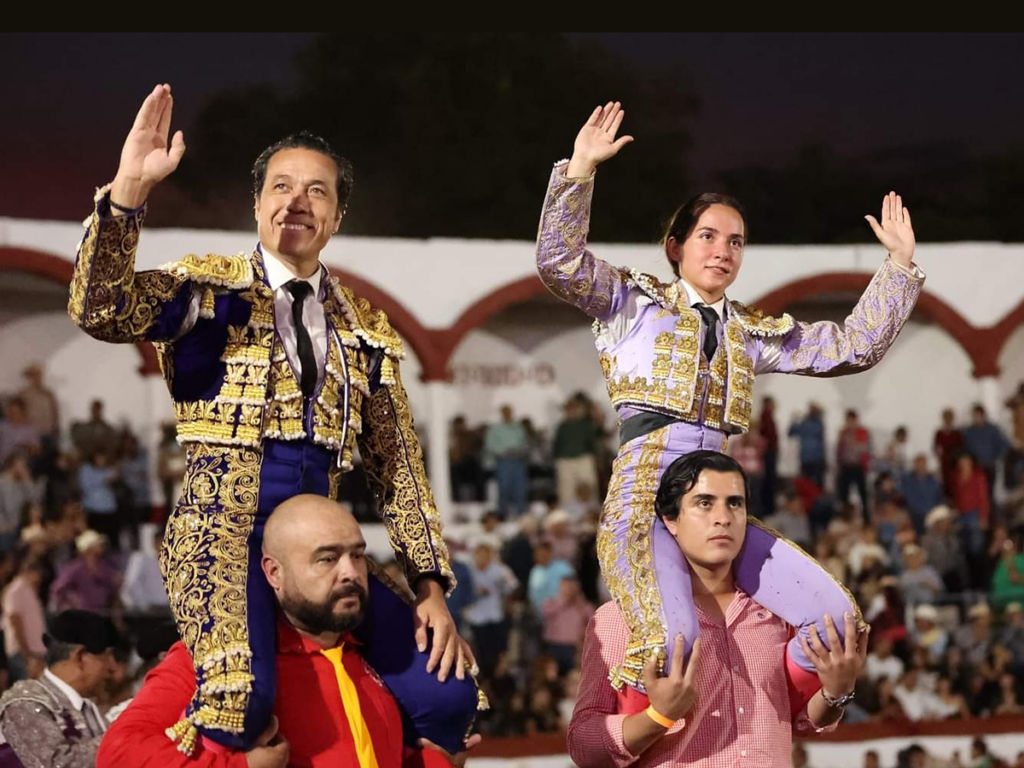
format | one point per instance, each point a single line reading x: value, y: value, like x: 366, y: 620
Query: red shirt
x: 807, y: 490
x: 972, y: 494
x: 947, y: 446
x: 854, y: 447
x: 308, y: 708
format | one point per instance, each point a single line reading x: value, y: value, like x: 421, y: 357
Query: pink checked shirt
x: 742, y: 715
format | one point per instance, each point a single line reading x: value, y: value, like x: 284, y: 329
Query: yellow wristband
x: 659, y: 718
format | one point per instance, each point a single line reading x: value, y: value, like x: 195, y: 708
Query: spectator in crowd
x: 95, y: 435
x: 24, y: 622
x: 853, y: 459
x: 770, y: 435
x: 575, y: 451
x: 507, y: 444
x: 944, y: 549
x: 16, y: 432
x: 810, y: 431
x: 546, y: 576
x: 89, y: 582
x: 948, y: 445
x: 565, y: 623
x: 986, y: 444
x: 17, y: 492
x: 493, y: 582
x: 922, y: 491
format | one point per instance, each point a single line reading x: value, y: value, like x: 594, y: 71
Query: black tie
x: 711, y: 336
x: 300, y: 289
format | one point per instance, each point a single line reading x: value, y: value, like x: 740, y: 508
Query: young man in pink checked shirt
x: 732, y: 703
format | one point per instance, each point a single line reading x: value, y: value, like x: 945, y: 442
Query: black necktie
x: 711, y: 336
x: 300, y: 289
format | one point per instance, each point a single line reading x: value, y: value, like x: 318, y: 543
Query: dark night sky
x: 69, y: 99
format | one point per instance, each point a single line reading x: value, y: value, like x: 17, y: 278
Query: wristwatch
x: 839, y: 702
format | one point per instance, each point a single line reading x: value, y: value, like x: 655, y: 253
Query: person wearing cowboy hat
x: 920, y: 581
x: 927, y: 632
x: 944, y: 550
x: 89, y: 581
x: 975, y: 638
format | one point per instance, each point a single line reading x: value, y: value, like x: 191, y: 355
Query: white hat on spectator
x: 528, y: 525
x: 927, y: 612
x: 89, y: 539
x: 979, y: 611
x: 539, y: 508
x: 30, y: 534
x: 937, y: 515
x: 911, y: 550
x: 557, y: 517
x: 487, y: 541
x: 1014, y: 607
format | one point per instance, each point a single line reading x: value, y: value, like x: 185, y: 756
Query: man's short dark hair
x: 683, y: 474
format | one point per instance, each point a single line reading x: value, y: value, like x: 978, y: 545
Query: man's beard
x: 318, y: 618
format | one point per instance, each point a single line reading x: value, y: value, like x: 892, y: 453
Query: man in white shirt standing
x: 143, y: 589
